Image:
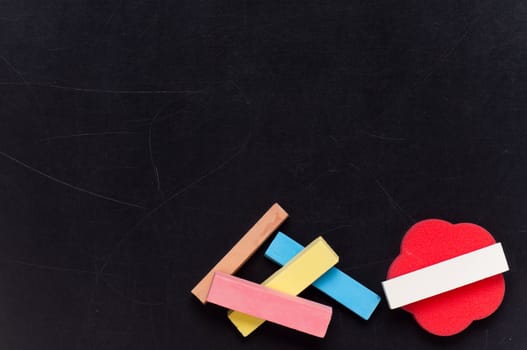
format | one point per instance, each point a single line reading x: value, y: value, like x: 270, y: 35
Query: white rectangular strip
x: 444, y: 276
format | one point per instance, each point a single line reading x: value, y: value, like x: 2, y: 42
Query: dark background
x: 139, y: 140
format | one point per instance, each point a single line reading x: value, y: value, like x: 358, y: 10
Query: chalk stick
x: 243, y: 249
x: 334, y: 283
x: 301, y: 271
x: 445, y: 276
x: 268, y: 304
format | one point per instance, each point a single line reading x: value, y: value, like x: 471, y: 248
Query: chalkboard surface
x: 140, y: 139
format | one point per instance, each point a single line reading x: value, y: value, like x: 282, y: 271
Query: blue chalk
x: 335, y: 283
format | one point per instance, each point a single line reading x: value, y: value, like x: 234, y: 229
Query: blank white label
x: 444, y: 276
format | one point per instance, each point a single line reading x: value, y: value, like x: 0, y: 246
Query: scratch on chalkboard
x: 73, y: 187
x: 179, y: 192
x: 87, y: 134
x: 381, y: 137
x: 392, y: 201
x: 48, y: 267
x: 129, y: 298
x: 100, y: 90
x: 150, y: 150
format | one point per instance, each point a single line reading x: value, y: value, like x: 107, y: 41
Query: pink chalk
x: 256, y: 300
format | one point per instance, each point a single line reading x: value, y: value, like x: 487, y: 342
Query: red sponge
x: 431, y: 241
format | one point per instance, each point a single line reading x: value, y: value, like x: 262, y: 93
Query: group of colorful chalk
x: 446, y: 276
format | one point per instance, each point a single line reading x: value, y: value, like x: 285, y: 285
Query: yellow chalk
x: 299, y: 273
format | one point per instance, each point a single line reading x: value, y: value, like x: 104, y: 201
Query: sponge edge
x: 432, y: 241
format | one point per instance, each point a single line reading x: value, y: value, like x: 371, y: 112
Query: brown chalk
x: 243, y: 249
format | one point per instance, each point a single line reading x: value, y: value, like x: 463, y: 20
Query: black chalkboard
x: 140, y: 139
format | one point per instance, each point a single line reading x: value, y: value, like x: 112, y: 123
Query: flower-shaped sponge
x: 431, y: 241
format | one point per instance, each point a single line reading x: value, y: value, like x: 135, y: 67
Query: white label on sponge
x: 445, y: 276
